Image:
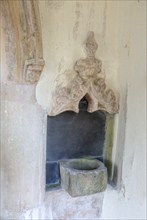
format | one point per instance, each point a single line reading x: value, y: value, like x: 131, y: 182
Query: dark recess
x: 72, y: 135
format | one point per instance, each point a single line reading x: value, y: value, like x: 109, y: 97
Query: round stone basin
x: 83, y: 164
x: 83, y: 176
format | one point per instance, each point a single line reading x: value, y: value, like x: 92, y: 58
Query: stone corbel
x: 32, y: 70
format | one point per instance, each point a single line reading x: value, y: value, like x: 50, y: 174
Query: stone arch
x: 22, y: 39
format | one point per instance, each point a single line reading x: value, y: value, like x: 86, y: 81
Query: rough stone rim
x: 65, y: 164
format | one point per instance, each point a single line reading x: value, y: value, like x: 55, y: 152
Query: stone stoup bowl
x: 83, y: 176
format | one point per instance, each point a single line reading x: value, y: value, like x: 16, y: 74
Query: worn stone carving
x: 86, y: 80
x: 32, y: 70
x: 23, y: 44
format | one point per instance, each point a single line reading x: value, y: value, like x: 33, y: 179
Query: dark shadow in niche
x: 72, y: 135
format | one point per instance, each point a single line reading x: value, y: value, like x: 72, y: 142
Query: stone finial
x: 91, y: 44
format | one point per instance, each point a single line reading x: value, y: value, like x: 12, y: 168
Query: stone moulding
x: 22, y: 39
x: 86, y: 80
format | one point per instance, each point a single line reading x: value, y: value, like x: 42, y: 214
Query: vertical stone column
x: 23, y: 127
x: 23, y: 124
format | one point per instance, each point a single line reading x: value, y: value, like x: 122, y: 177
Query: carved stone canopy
x: 86, y: 80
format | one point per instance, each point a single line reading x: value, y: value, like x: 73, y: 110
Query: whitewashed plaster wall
x: 119, y: 27
x: 65, y: 25
x: 130, y: 203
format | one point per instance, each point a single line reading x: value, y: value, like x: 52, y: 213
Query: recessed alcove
x: 73, y: 135
x: 79, y: 122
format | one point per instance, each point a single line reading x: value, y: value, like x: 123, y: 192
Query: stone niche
x: 81, y: 91
x: 72, y: 135
x: 79, y: 122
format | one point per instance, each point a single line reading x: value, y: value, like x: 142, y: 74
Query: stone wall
x: 22, y: 150
x: 120, y: 29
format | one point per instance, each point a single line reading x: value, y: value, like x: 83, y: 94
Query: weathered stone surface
x: 81, y: 177
x: 86, y: 80
x: 22, y: 154
x: 22, y: 40
x: 60, y: 205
